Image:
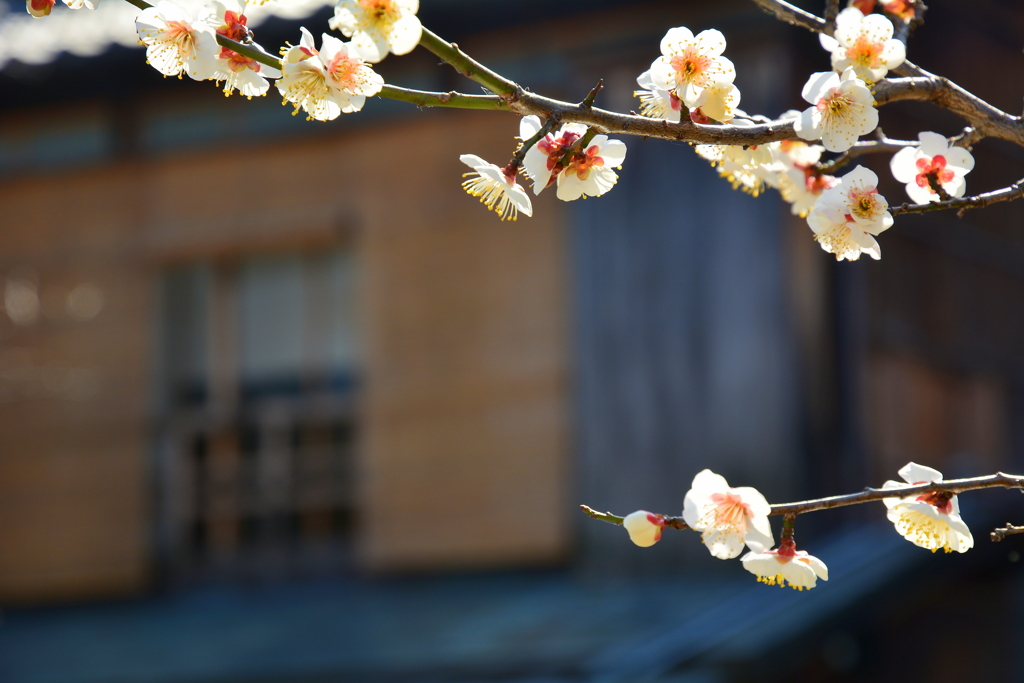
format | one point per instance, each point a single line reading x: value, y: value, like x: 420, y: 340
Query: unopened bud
x: 644, y: 527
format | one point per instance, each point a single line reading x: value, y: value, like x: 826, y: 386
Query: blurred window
x: 259, y: 367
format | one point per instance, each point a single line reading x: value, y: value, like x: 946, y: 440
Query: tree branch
x: 467, y: 66
x: 1015, y: 191
x: 1002, y: 532
x: 456, y: 100
x: 883, y: 145
x: 997, y: 480
x: 794, y: 15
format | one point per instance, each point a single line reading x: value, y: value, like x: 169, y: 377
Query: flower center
x: 863, y: 204
x: 381, y: 12
x: 865, y: 53
x: 582, y: 163
x: 691, y: 66
x: 836, y: 108
x: 179, y: 34
x: 730, y: 510
x: 934, y: 168
x: 346, y: 72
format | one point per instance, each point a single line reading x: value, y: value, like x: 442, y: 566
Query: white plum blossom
x: 930, y: 520
x: 237, y: 71
x: 746, y: 168
x: 39, y: 8
x: 865, y: 44
x: 496, y: 187
x: 690, y: 64
x: 379, y: 26
x: 175, y: 43
x: 727, y: 518
x: 655, y: 102
x: 798, y: 181
x: 717, y: 103
x: 79, y: 4
x: 933, y: 161
x: 845, y: 217
x: 843, y: 110
x: 644, y: 527
x: 587, y: 174
x: 328, y: 82
x: 785, y: 565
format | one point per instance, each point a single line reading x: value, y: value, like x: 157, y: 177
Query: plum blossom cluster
x: 574, y: 159
x: 326, y: 82
x: 731, y: 520
x: 692, y: 79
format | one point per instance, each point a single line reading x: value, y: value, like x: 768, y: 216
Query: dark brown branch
x: 997, y: 480
x: 987, y: 121
x: 794, y: 15
x: 1002, y: 532
x: 1015, y: 191
x: 884, y: 145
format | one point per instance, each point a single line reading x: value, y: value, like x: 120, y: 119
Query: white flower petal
x: 913, y: 473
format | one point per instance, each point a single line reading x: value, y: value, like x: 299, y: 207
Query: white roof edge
x: 86, y: 33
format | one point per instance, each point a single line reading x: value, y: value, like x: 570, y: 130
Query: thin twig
x: 467, y: 66
x: 1015, y: 191
x: 456, y: 100
x: 884, y: 145
x: 1000, y: 533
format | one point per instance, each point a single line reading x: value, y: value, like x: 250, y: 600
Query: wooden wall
x: 463, y: 448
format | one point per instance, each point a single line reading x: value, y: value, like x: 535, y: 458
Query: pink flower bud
x: 644, y: 527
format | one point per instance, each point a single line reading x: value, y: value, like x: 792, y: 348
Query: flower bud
x: 644, y: 527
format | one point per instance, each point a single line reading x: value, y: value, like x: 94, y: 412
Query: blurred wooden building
x: 238, y: 344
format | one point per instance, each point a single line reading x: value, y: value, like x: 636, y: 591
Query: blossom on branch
x: 655, y: 102
x: 727, y: 518
x: 746, y: 168
x: 379, y: 26
x: 496, y: 187
x: 690, y: 64
x: 865, y: 44
x: 932, y: 163
x: 930, y: 520
x: 846, y: 217
x: 799, y: 182
x: 784, y: 565
x: 717, y: 103
x: 237, y: 71
x: 587, y: 172
x: 39, y: 8
x: 175, y: 43
x: 329, y: 81
x: 843, y: 110
x: 644, y: 527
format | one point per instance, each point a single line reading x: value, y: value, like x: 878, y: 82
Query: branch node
x: 588, y: 101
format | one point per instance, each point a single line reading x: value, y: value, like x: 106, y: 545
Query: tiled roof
x: 85, y: 33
